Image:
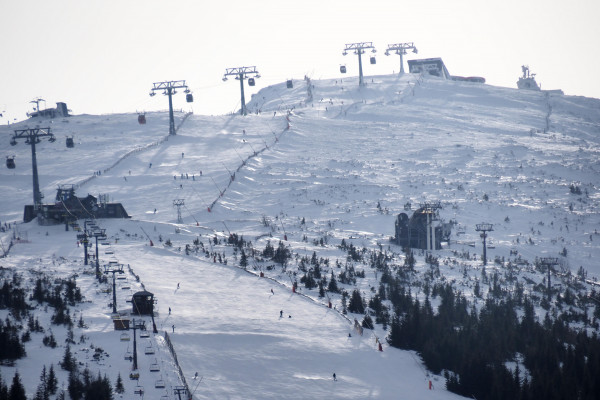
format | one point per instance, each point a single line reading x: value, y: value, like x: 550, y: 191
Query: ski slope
x: 329, y: 160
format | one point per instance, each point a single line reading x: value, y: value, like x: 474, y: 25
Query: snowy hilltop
x: 269, y: 243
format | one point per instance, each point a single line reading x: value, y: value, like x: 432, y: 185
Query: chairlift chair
x: 139, y: 390
x: 343, y: 69
x: 251, y: 82
x: 144, y: 334
x: 290, y: 84
x: 373, y: 60
x: 142, y: 119
x: 189, y: 98
x: 125, y: 337
x: 70, y: 143
x: 148, y: 350
x: 154, y: 367
x: 10, y: 162
x: 159, y: 384
x: 128, y: 356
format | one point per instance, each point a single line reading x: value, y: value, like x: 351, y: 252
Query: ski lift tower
x: 549, y: 262
x: 400, y: 49
x: 169, y: 89
x: 32, y: 137
x: 484, y: 228
x: 359, y: 49
x: 179, y: 203
x: 114, y: 268
x: 240, y: 74
x: 430, y: 209
x: 37, y: 104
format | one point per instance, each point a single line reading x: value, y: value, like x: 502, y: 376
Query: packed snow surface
x: 344, y: 159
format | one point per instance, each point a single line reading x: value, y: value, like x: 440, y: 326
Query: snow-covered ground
x: 329, y: 162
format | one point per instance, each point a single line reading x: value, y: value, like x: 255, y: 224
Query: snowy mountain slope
x: 395, y: 141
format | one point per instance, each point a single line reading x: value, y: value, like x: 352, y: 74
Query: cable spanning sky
x: 102, y: 56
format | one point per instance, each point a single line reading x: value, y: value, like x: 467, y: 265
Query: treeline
x: 473, y: 348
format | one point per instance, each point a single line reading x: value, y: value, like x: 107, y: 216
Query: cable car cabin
x: 10, y: 163
x: 251, y: 81
x: 343, y: 69
x: 142, y: 119
x: 373, y: 60
x: 189, y: 98
x: 70, y: 142
x: 289, y: 84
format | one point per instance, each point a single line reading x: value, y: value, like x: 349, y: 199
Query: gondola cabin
x: 10, y: 162
x: 142, y: 119
x: 289, y: 84
x: 251, y: 81
x: 70, y: 143
x: 189, y: 98
x: 373, y: 60
x: 343, y: 69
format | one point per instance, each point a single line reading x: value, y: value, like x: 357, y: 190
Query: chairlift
x: 142, y: 119
x: 10, y: 162
x: 139, y: 390
x: 148, y: 350
x: 189, y: 98
x: 144, y: 334
x: 289, y: 84
x: 134, y: 375
x: 159, y: 384
x: 70, y: 143
x: 125, y: 337
x: 251, y: 82
x: 343, y: 69
x: 154, y: 367
x: 128, y: 356
x: 373, y: 60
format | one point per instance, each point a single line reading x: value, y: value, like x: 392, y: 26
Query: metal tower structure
x: 179, y: 203
x: 98, y: 234
x: 37, y: 103
x: 430, y: 209
x: 400, y: 49
x: 168, y: 88
x: 484, y: 228
x: 240, y: 74
x: 359, y: 49
x: 114, y: 268
x: 32, y: 137
x: 549, y: 262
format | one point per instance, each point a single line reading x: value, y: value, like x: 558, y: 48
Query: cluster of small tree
x: 13, y: 297
x: 11, y: 347
x: 16, y: 390
x: 281, y: 255
x: 48, y: 384
x: 59, y: 294
x: 84, y: 386
x: 473, y: 347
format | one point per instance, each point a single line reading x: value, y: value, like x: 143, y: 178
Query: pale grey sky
x: 102, y: 56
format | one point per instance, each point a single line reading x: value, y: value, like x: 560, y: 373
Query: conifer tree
x: 68, y: 362
x: 119, y: 385
x: 17, y: 391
